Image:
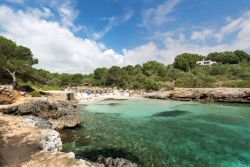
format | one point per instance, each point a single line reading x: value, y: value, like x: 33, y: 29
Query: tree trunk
x: 13, y: 75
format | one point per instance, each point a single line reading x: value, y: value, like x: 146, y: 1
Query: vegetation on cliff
x: 232, y: 70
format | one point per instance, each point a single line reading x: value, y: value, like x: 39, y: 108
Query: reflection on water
x: 164, y: 133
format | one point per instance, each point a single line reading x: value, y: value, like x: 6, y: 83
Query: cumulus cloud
x: 239, y: 40
x: 60, y: 50
x: 202, y: 35
x: 55, y: 46
x: 140, y: 54
x: 238, y: 29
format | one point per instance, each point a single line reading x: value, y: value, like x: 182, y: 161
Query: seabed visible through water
x: 160, y: 133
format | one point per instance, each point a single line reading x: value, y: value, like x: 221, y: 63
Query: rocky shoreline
x: 59, y: 114
x: 230, y: 95
x: 29, y: 128
x: 43, y: 118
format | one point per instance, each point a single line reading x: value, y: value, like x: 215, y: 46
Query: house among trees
x: 205, y: 62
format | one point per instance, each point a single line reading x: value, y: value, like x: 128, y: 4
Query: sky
x: 77, y: 36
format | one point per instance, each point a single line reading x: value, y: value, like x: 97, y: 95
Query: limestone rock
x: 9, y: 110
x: 61, y: 114
x: 37, y: 122
x: 241, y: 95
x: 71, y: 155
x: 6, y: 96
x: 67, y: 121
x: 158, y: 95
x: 232, y: 95
x: 36, y: 107
x: 51, y: 140
x: 114, y: 162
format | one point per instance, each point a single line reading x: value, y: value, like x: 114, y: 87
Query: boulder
x: 57, y: 114
x: 51, y: 140
x: 60, y: 115
x: 67, y: 121
x: 6, y: 96
x: 158, y: 95
x: 114, y: 162
x: 36, y: 107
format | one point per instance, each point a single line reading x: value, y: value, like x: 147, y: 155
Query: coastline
x: 31, y: 118
x: 32, y: 137
x: 19, y: 125
x: 31, y: 142
x: 205, y: 95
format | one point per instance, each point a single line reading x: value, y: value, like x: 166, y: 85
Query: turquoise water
x: 160, y: 133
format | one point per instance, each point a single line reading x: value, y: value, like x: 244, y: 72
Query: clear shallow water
x: 160, y: 133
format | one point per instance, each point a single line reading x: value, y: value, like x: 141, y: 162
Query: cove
x: 161, y: 133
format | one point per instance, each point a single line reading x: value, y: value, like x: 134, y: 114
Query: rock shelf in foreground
x: 39, y: 118
x: 60, y: 114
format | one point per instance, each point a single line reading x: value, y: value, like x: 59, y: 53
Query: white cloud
x: 68, y: 14
x: 174, y: 45
x: 65, y: 10
x: 44, y: 12
x: 202, y: 35
x: 240, y: 26
x: 240, y: 40
x: 112, y: 21
x: 129, y: 14
x: 58, y: 49
x: 141, y: 54
x: 159, y: 15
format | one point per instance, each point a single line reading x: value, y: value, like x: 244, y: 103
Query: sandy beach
x: 84, y: 98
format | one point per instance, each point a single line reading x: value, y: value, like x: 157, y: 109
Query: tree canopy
x: 232, y: 70
x: 187, y: 61
x: 229, y: 57
x: 15, y: 59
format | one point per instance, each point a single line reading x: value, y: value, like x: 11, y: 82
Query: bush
x: 217, y: 69
x: 46, y: 88
x: 35, y: 93
x: 151, y: 84
x: 187, y: 61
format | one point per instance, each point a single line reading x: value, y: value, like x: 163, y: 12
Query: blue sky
x: 78, y: 36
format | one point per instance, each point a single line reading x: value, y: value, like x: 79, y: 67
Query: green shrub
x: 35, y: 93
x: 52, y: 88
x: 217, y: 69
x: 151, y: 84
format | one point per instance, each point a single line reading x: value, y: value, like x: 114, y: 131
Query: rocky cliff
x: 231, y: 95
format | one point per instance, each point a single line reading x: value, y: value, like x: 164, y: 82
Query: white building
x: 205, y: 62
